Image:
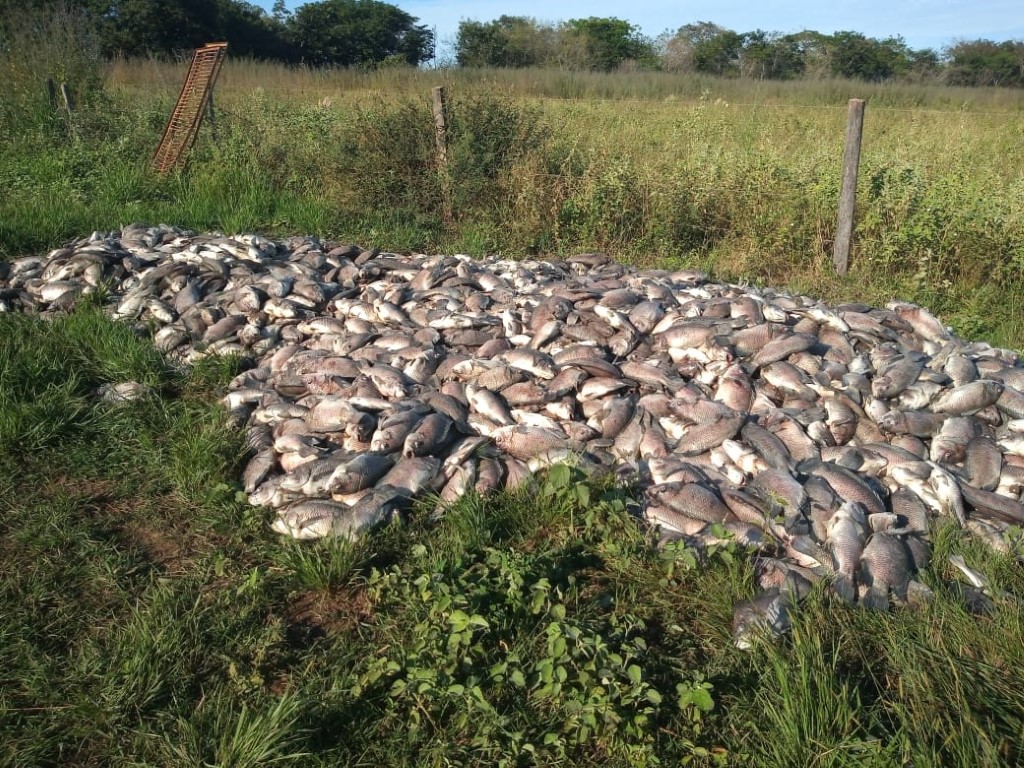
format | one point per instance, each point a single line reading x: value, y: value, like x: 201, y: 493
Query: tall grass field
x: 148, y: 615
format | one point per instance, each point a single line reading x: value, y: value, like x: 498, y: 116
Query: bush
x: 391, y: 159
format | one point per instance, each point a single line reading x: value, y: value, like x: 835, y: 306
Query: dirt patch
x: 313, y: 615
x: 163, y: 548
x: 93, y: 492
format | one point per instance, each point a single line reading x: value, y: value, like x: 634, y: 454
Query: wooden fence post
x: 210, y: 115
x: 848, y: 191
x: 69, y: 103
x: 441, y: 140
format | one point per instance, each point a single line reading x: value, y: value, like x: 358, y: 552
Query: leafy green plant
x: 504, y: 653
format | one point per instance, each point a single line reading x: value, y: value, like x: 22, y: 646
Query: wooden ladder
x: 195, y: 94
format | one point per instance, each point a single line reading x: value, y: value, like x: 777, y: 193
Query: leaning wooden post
x: 848, y: 192
x: 441, y: 140
x: 69, y: 103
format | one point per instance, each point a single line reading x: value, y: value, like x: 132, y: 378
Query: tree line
x: 326, y: 33
x: 703, y: 47
x: 375, y: 33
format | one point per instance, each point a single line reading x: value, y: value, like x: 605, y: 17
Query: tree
x: 509, y: 41
x: 141, y: 27
x: 856, y: 56
x: 347, y: 32
x: 680, y: 51
x: 770, y: 55
x: 609, y: 42
x: 138, y: 27
x: 249, y: 31
x: 814, y: 49
x: 983, y: 62
x: 924, y: 64
x: 719, y: 55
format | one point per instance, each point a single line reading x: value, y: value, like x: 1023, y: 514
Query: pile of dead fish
x: 828, y: 438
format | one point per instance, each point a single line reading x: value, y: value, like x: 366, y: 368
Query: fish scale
x: 356, y: 350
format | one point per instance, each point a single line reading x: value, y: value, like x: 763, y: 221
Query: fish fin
x: 919, y: 593
x: 845, y: 588
x: 977, y: 579
x: 876, y: 599
x: 806, y: 466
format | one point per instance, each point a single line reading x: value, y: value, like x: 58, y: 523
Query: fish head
x: 893, y: 422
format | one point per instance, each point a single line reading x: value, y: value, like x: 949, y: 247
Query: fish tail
x: 845, y: 588
x: 876, y: 599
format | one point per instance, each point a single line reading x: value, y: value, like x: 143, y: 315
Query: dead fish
x: 312, y: 478
x: 766, y: 615
x: 527, y: 442
x: 412, y: 475
x: 692, y: 500
x: 780, y: 349
x: 847, y: 534
x: 431, y: 435
x: 359, y: 473
x: 884, y: 569
x: 359, y: 356
x: 968, y: 398
x: 983, y: 462
x: 257, y: 469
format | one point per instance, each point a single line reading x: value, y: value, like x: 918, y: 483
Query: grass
x: 147, y: 616
x: 303, y: 85
x: 737, y: 177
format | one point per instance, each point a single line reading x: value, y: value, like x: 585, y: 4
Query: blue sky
x: 922, y: 23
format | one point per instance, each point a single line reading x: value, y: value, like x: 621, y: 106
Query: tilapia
x: 373, y: 378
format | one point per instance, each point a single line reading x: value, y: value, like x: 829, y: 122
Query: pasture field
x: 737, y: 177
x: 148, y: 616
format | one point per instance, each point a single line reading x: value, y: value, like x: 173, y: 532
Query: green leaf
x: 635, y: 674
x: 459, y: 620
x: 653, y: 696
x: 702, y: 700
x: 517, y: 678
x: 559, y: 476
x: 583, y: 495
x: 558, y: 647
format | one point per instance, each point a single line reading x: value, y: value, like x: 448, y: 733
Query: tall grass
x: 737, y: 177
x: 42, y: 48
x: 299, y: 84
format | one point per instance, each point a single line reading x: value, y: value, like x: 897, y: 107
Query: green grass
x: 736, y: 177
x: 149, y: 617
x: 304, y: 85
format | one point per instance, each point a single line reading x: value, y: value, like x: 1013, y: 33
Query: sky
x: 922, y: 23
